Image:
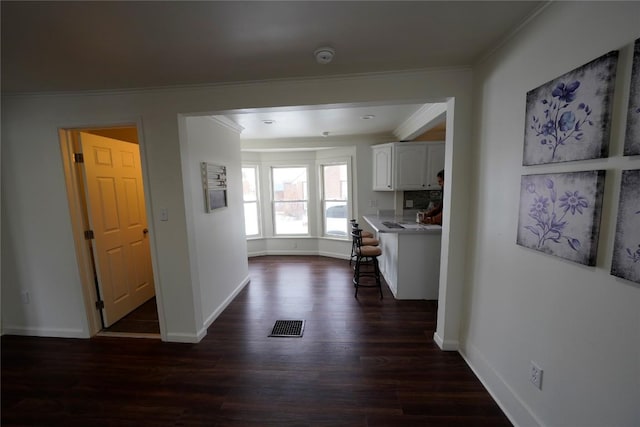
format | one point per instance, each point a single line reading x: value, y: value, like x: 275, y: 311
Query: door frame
x: 77, y: 203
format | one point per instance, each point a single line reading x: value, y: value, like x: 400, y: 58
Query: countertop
x: 393, y: 224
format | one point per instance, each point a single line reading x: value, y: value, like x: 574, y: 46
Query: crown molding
x: 226, y: 122
x: 238, y: 84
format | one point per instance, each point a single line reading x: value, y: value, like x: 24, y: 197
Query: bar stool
x: 367, y: 240
x: 364, y: 233
x: 364, y: 253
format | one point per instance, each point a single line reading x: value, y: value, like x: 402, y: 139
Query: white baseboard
x: 44, y: 332
x: 450, y: 345
x: 298, y: 252
x: 184, y: 338
x: 334, y: 255
x: 203, y: 331
x: 511, y: 404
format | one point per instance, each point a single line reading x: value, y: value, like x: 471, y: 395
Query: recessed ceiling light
x: 367, y: 117
x: 325, y: 133
x: 268, y: 121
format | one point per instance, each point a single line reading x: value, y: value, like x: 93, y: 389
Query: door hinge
x: 99, y: 304
x: 88, y: 235
x: 78, y: 157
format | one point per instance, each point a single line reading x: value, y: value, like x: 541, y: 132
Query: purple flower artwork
x: 568, y: 118
x: 632, y: 139
x: 560, y: 214
x: 626, y: 249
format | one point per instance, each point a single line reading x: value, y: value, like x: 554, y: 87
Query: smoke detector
x: 324, y: 55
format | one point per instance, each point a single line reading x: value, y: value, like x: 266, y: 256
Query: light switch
x: 409, y: 203
x: 164, y: 214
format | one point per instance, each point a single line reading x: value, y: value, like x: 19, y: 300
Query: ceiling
x: 56, y: 46
x: 331, y: 121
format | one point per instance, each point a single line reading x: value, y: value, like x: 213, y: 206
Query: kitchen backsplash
x: 422, y: 199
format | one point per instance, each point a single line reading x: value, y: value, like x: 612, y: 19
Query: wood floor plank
x: 361, y: 362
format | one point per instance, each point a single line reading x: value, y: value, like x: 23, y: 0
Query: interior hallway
x: 360, y: 362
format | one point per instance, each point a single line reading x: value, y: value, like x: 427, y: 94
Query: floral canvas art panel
x: 569, y: 117
x: 560, y: 214
x: 632, y: 138
x: 626, y: 249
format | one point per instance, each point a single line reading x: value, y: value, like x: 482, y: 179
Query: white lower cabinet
x: 410, y: 264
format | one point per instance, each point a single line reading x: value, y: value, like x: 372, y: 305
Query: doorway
x: 106, y: 196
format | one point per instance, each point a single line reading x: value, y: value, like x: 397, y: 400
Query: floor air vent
x: 288, y: 328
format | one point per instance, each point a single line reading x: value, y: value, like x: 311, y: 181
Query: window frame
x: 272, y: 191
x: 323, y: 200
x: 258, y: 201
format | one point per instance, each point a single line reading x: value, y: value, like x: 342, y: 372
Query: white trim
x: 422, y: 120
x: 525, y: 22
x: 185, y: 338
x: 239, y: 84
x: 225, y: 304
x: 291, y: 252
x: 82, y: 251
x: 333, y: 255
x: 257, y: 168
x: 257, y: 254
x: 128, y: 335
x: 515, y: 408
x: 297, y: 252
x: 227, y: 123
x: 83, y: 256
x: 44, y: 332
x: 449, y: 345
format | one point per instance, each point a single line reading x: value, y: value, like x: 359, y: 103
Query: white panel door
x: 115, y: 203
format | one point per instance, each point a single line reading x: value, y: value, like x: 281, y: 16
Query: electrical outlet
x: 26, y: 298
x: 535, y: 375
x: 409, y: 203
x: 373, y: 203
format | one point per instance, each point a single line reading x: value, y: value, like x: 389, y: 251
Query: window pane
x: 250, y: 196
x: 291, y: 217
x: 335, y: 216
x: 289, y: 184
x: 335, y: 185
x: 335, y: 182
x: 251, y: 219
x: 249, y: 184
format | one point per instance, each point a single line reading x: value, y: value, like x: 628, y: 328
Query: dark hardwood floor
x: 361, y: 362
x: 142, y: 320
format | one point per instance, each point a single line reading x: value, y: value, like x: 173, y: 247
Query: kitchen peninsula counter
x: 410, y: 260
x: 390, y: 224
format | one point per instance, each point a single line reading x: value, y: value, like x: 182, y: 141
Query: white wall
x: 579, y: 324
x: 37, y: 246
x: 219, y: 257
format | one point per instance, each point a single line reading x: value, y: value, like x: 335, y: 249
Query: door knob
x: 145, y: 231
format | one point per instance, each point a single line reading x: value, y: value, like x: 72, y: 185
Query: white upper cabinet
x: 410, y: 166
x: 382, y: 167
x: 407, y: 165
x: 435, y: 163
